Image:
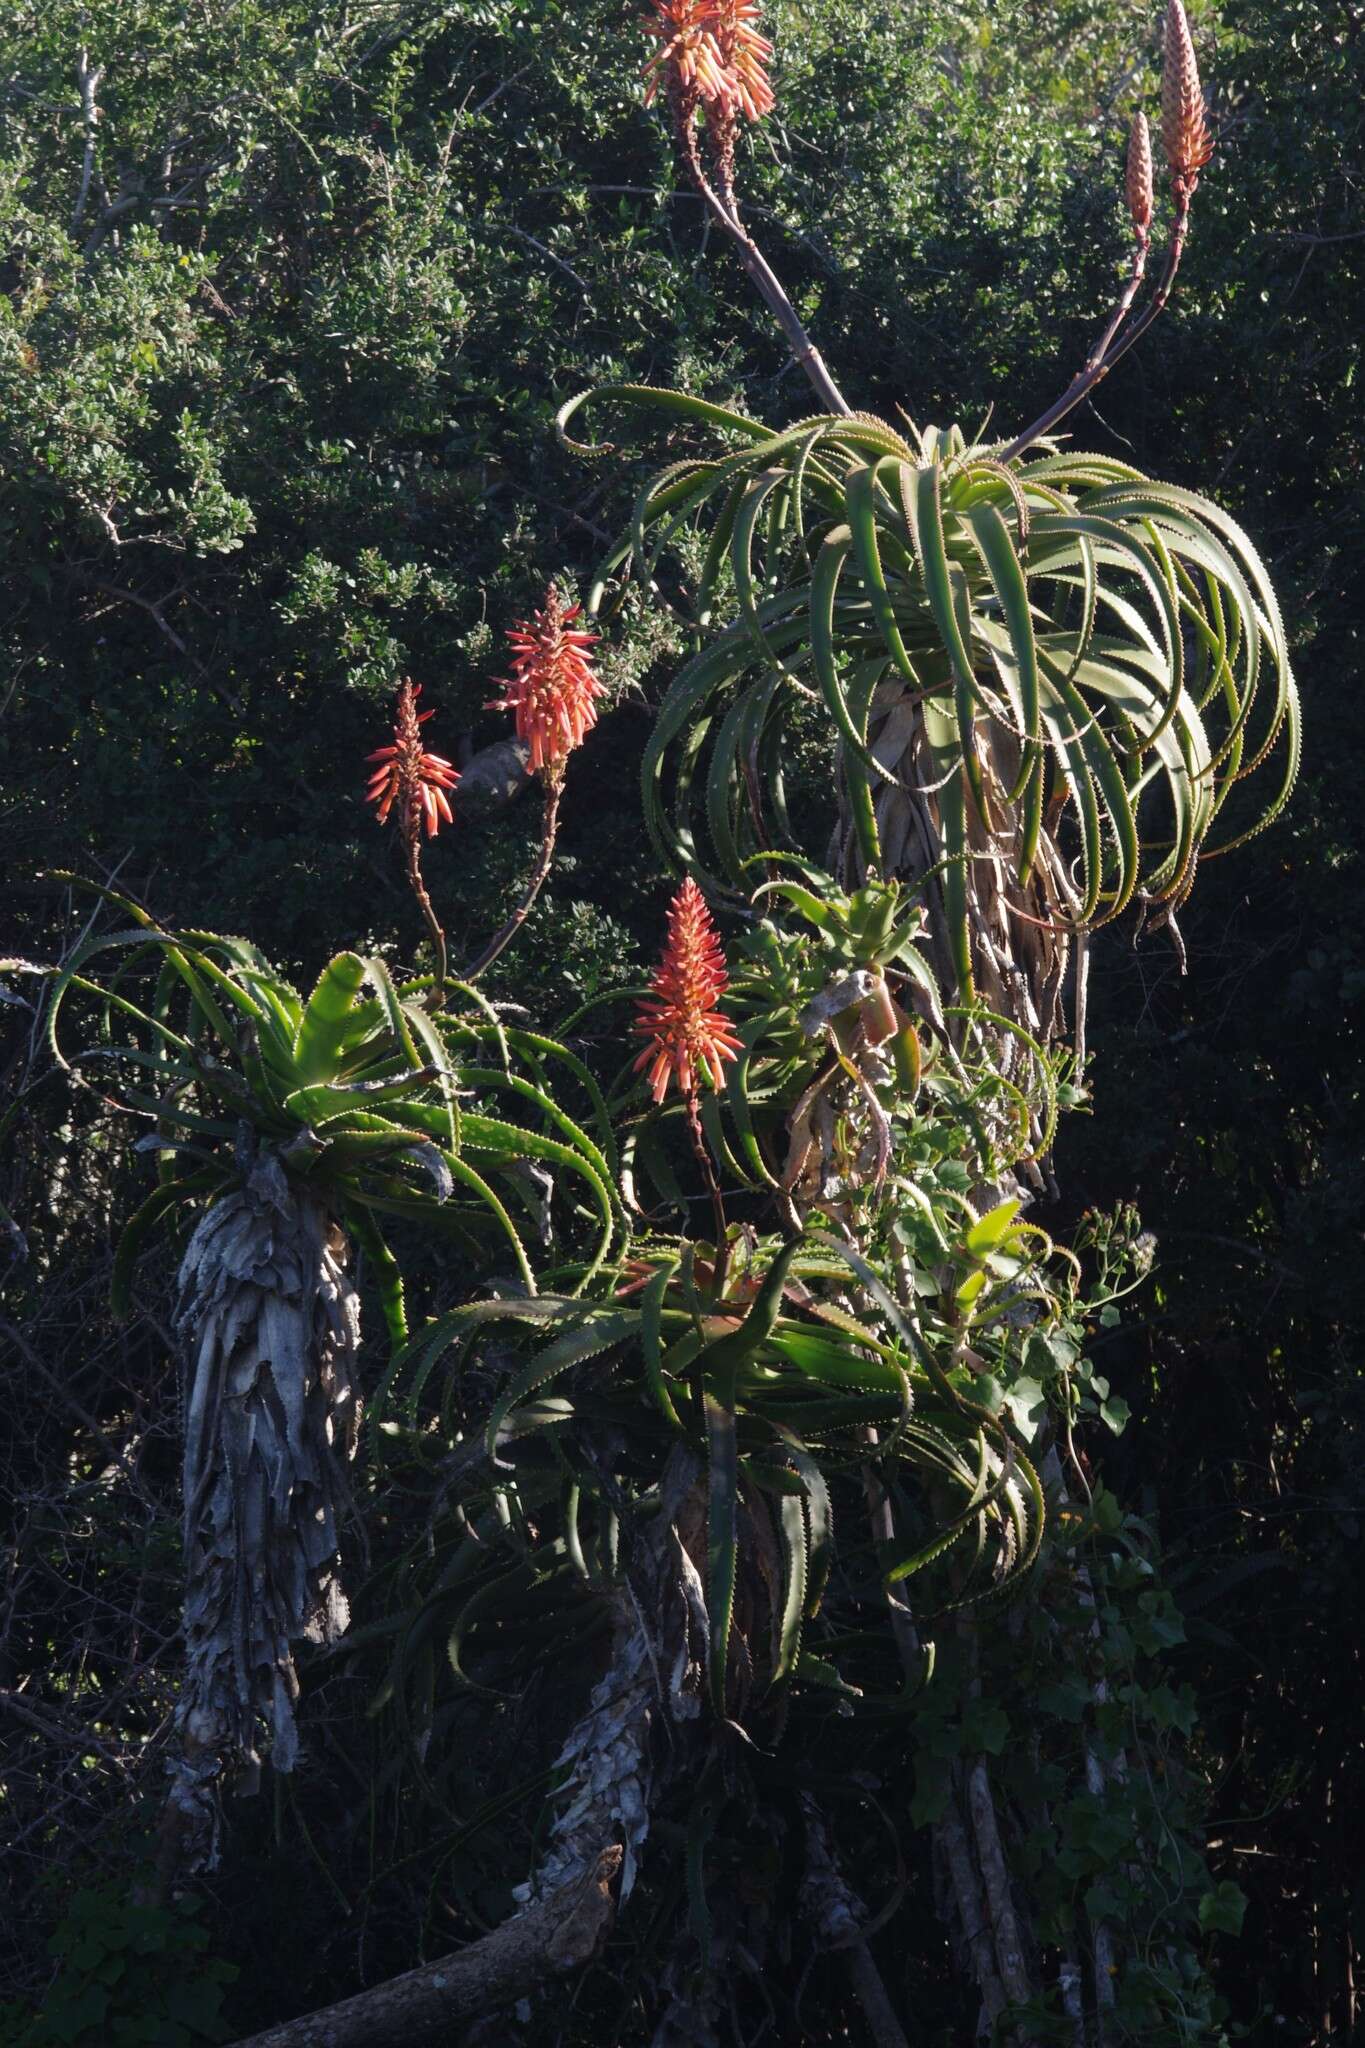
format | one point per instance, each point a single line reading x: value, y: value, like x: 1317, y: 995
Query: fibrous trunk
x: 1020, y: 941
x: 270, y: 1325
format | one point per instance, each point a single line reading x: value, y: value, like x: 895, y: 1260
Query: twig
x: 57, y: 1731
x: 503, y: 85
x: 68, y: 1400
x: 1315, y: 241
x: 499, y: 227
x: 88, y: 79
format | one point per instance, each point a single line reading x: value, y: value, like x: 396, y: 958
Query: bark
x: 951, y: 1836
x: 995, y: 1878
x: 1020, y: 939
x: 562, y: 1932
x: 837, y: 1914
x: 270, y: 1325
x: 611, y: 1782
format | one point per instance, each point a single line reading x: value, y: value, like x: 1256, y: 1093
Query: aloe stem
x: 764, y: 279
x: 548, y: 835
x: 1109, y: 351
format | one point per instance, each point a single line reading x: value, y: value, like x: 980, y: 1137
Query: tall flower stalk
x: 1188, y: 145
x: 712, y: 58
x: 687, y: 1035
x: 552, y: 691
x: 415, y: 785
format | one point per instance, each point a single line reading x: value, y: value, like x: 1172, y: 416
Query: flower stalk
x: 1188, y: 146
x: 712, y: 60
x: 415, y: 785
x: 552, y: 691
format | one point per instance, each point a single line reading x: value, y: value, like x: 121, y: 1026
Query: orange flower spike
x: 743, y: 55
x: 408, y: 775
x: 713, y: 52
x: 689, y: 54
x: 688, y: 1036
x: 1184, y: 123
x: 1138, y: 177
x: 553, y: 688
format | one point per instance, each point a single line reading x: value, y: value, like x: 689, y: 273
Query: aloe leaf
x: 946, y: 753
x: 997, y: 552
x: 388, y: 1275
x: 860, y: 498
x: 794, y: 1592
x: 589, y: 1340
x: 317, y: 1049
x: 722, y: 1539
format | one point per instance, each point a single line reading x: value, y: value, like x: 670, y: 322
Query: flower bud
x: 1184, y: 129
x: 1138, y: 183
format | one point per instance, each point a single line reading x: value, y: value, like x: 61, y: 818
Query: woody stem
x: 548, y: 832
x: 708, y: 1173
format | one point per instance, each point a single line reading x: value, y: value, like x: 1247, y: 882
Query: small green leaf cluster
x: 127, y: 1975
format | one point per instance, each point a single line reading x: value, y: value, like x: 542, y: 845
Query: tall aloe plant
x: 1045, y: 679
x: 290, y: 1129
x: 1046, y: 675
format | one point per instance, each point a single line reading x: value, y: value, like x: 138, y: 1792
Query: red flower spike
x: 711, y: 51
x: 689, y: 55
x: 687, y: 1034
x: 552, y: 688
x: 743, y: 54
x: 409, y: 776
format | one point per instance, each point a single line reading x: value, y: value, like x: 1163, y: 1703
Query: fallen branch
x: 560, y: 1933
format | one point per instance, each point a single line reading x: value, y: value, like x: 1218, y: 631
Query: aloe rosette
x: 1048, y: 677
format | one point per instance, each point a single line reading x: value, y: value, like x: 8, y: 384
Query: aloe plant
x: 288, y: 1127
x: 1047, y: 677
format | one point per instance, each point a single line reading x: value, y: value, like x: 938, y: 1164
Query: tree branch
x: 559, y: 1934
x: 88, y: 79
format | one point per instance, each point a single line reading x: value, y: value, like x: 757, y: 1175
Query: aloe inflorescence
x: 1184, y: 126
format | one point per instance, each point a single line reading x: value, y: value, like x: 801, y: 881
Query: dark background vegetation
x: 275, y: 428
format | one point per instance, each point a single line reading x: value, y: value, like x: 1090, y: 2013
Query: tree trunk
x: 270, y: 1325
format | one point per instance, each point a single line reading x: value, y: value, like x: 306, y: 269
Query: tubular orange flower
x: 1184, y: 129
x: 711, y: 50
x: 409, y: 776
x: 689, y: 55
x: 743, y: 55
x: 687, y: 1034
x: 552, y: 687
